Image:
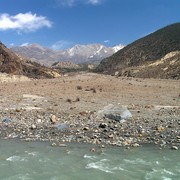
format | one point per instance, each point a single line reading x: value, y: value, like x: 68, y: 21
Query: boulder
x: 115, y: 112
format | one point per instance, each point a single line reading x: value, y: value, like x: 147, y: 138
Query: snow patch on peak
x: 99, y: 50
x: 118, y: 47
x: 25, y: 44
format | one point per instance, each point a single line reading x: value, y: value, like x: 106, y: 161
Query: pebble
x: 135, y: 145
x: 38, y: 121
x: 53, y: 144
x: 33, y: 126
x: 45, y: 126
x: 103, y: 125
x: 174, y: 148
x: 53, y: 119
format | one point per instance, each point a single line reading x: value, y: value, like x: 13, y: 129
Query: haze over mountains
x: 77, y: 54
x: 156, y: 55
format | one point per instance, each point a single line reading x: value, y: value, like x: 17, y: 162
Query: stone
x: 7, y: 120
x: 111, y: 136
x: 127, y: 142
x: 116, y: 113
x: 33, y: 126
x: 61, y: 126
x: 53, y: 119
x: 116, y: 73
x: 103, y: 125
x: 62, y: 145
x: 18, y: 110
x: 174, y: 148
x: 38, y: 121
x: 85, y: 128
x: 160, y: 128
x: 135, y: 145
x: 92, y: 149
x: 53, y: 144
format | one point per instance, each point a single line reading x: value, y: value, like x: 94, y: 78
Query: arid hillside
x: 147, y: 52
x: 11, y: 63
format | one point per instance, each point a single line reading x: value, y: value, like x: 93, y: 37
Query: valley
x: 66, y: 109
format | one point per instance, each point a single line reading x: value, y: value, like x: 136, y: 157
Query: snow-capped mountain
x: 76, y: 54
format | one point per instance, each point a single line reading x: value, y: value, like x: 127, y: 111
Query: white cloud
x: 73, y: 2
x: 11, y: 44
x: 106, y: 41
x: 25, y: 44
x: 66, y: 2
x: 94, y: 2
x: 26, y: 22
x: 62, y: 44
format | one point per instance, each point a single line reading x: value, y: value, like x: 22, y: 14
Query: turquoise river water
x: 40, y: 161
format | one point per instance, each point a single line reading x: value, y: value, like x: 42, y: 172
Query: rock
x: 33, y: 126
x: 7, y: 120
x: 53, y: 144
x: 174, y: 148
x: 18, y: 110
x: 115, y: 126
x: 114, y: 117
x: 61, y: 126
x: 116, y: 73
x: 162, y: 135
x: 83, y: 113
x: 92, y: 149
x: 123, y: 121
x: 163, y: 143
x: 115, y: 113
x: 135, y: 145
x: 127, y: 142
x: 38, y: 121
x: 111, y: 136
x: 103, y: 125
x: 62, y: 145
x: 85, y: 128
x: 160, y: 128
x: 53, y: 119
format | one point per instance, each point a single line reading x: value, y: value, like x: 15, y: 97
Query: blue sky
x: 60, y: 24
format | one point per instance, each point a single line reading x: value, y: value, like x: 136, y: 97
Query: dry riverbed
x: 66, y: 109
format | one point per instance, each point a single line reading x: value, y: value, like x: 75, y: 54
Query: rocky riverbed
x: 67, y: 109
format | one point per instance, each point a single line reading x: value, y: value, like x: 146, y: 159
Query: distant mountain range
x: 91, y: 53
x: 156, y: 55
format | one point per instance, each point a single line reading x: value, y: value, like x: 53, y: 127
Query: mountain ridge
x: 76, y: 54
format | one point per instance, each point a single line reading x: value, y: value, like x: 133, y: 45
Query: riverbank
x: 67, y: 109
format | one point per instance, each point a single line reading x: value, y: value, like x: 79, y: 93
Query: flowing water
x: 40, y: 161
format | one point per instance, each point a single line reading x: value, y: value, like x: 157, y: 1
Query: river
x: 40, y: 161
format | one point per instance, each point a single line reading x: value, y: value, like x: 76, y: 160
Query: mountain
x: 77, y: 54
x: 11, y: 63
x: 144, y: 52
x: 35, y: 52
